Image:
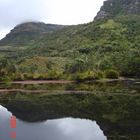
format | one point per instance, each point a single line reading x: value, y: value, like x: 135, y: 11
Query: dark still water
x: 73, y: 111
x: 57, y: 129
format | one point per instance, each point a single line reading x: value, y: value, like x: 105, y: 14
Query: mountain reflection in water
x: 57, y: 129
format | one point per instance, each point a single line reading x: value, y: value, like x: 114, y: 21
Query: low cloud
x: 13, y: 12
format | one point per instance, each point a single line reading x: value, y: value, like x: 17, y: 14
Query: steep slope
x: 113, y: 43
x: 112, y: 8
x: 27, y: 33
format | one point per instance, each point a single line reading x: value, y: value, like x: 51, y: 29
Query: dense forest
x: 108, y: 47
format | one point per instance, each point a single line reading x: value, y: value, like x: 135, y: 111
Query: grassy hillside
x: 106, y: 48
x: 27, y: 33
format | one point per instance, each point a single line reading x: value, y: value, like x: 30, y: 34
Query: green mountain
x: 107, y: 47
x: 27, y: 33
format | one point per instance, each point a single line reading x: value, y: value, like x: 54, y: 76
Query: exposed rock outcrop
x: 113, y: 8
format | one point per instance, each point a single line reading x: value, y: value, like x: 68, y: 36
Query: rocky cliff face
x: 113, y: 8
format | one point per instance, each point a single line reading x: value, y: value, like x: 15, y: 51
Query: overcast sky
x: 67, y: 12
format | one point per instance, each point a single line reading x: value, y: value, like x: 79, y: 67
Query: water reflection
x: 58, y: 129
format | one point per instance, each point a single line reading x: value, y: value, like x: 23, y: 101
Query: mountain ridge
x: 29, y: 31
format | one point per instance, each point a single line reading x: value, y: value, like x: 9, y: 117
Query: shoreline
x: 42, y: 82
x: 35, y: 82
x: 68, y: 81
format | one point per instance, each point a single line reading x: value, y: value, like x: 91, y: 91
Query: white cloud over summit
x: 13, y: 12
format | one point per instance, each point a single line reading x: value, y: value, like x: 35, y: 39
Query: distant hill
x: 27, y: 33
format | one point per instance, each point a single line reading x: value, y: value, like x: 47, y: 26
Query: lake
x: 71, y: 111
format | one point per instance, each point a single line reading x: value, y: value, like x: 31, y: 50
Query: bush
x: 85, y: 76
x: 3, y: 72
x: 112, y: 74
x: 27, y: 76
x: 35, y: 76
x: 6, y: 79
x: 54, y: 75
x: 18, y: 76
x: 100, y: 74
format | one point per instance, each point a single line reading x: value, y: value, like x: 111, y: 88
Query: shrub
x: 100, y: 74
x: 18, y: 76
x: 35, y: 76
x: 42, y: 76
x: 53, y: 75
x: 85, y: 76
x: 112, y: 74
x: 3, y: 72
x: 27, y: 76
